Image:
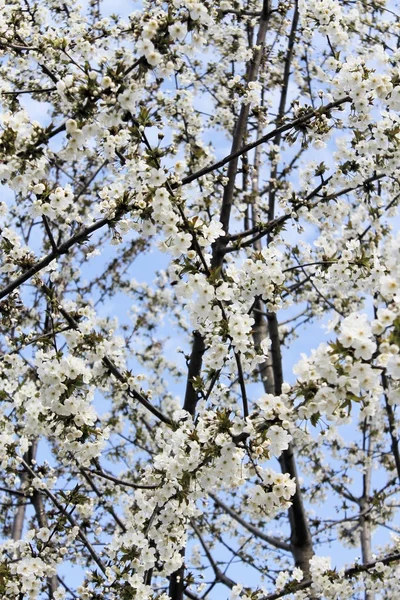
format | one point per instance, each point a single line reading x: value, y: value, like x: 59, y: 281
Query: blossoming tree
x: 241, y: 158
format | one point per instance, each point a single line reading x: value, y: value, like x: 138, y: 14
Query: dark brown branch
x: 17, y: 493
x: 242, y: 385
x: 31, y: 91
x: 300, y: 538
x: 136, y: 395
x: 194, y: 370
x: 282, y: 106
x: 118, y: 481
x: 219, y: 575
x: 176, y: 587
x: 41, y: 517
x: 71, y: 519
x: 99, y: 494
x: 79, y: 237
x: 350, y: 573
x: 251, y: 528
x: 241, y: 126
x: 49, y: 233
x: 263, y: 231
x: 108, y: 363
x: 235, y: 154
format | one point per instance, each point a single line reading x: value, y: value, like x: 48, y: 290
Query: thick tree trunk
x: 365, y: 504
x: 176, y: 587
x: 300, y: 537
x: 176, y: 583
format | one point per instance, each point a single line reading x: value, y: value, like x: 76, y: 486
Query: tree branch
x: 236, y: 153
x: 251, y: 528
x: 293, y: 587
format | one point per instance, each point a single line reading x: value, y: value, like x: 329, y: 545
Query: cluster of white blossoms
x: 326, y: 17
x: 192, y: 461
x: 351, y: 368
x: 334, y: 377
x: 14, y: 251
x: 29, y: 571
x: 58, y: 204
x: 274, y: 493
x: 220, y: 310
x: 177, y: 241
x: 67, y: 405
x: 356, y: 333
x: 273, y: 423
x: 261, y: 275
x: 18, y: 131
x: 58, y: 377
